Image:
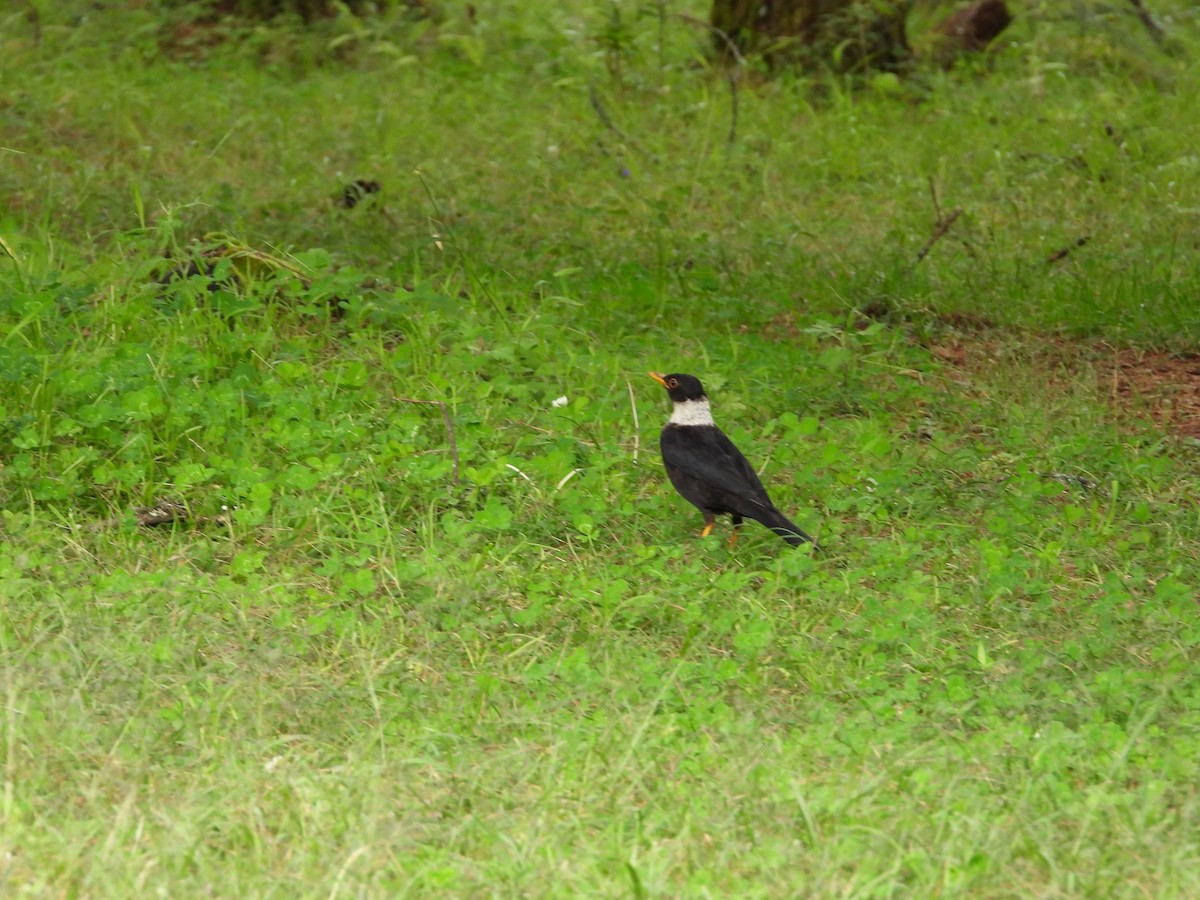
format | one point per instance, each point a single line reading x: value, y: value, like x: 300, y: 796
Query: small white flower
x: 559, y: 401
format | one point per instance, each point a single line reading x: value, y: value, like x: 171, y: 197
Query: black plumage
x: 709, y: 471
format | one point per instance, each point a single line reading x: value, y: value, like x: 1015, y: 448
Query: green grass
x: 376, y: 679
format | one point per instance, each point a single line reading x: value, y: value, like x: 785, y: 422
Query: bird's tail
x: 787, y: 529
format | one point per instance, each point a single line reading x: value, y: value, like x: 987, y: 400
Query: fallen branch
x: 441, y: 404
x: 939, y: 231
x: 606, y: 119
x: 1066, y: 251
x: 1086, y: 485
x: 164, y: 512
x: 1155, y: 30
x: 731, y: 47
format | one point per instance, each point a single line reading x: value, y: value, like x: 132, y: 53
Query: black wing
x: 706, y: 454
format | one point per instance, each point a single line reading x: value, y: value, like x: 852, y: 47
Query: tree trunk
x: 849, y: 35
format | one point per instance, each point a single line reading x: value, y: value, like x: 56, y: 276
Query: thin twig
x: 733, y: 109
x: 562, y: 481
x: 441, y: 404
x: 1148, y: 22
x: 729, y: 42
x: 730, y: 46
x: 522, y: 474
x: 466, y: 260
x: 606, y: 119
x: 739, y: 61
x: 1116, y: 382
x: 594, y: 97
x: 1066, y: 251
x: 937, y: 209
x: 939, y: 232
x: 637, y: 431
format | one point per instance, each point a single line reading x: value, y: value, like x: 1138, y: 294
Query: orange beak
x: 661, y: 379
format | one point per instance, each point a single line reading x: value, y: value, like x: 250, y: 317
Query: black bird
x: 708, y: 470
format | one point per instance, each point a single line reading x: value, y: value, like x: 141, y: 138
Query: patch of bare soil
x: 1165, y: 385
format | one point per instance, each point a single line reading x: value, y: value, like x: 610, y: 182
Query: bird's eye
x: 672, y: 382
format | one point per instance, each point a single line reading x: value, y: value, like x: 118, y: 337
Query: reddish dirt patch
x: 1165, y: 386
x: 1168, y: 385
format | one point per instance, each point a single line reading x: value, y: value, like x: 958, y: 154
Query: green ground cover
x: 494, y: 658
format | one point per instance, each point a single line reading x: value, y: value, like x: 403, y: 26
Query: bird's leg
x: 737, y: 526
x: 709, y: 521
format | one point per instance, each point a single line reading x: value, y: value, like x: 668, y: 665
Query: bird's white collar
x: 692, y: 412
